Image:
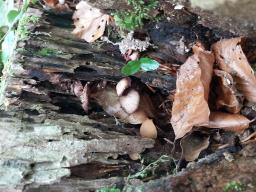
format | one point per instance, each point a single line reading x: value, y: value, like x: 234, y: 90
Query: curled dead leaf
x: 206, y: 61
x: 90, y: 23
x: 228, y: 122
x: 193, y: 144
x: 190, y: 107
x: 227, y: 95
x: 230, y: 58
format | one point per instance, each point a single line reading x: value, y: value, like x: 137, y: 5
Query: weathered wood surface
x: 46, y: 134
x: 213, y: 173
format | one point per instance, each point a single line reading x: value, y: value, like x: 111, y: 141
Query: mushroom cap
x: 62, y: 2
x: 130, y: 102
x: 122, y: 85
x: 148, y: 129
x: 134, y: 56
x: 138, y: 117
x: 134, y: 156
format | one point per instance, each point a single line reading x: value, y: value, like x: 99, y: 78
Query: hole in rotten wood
x: 32, y: 112
x: 84, y: 69
x: 96, y: 170
x: 67, y: 104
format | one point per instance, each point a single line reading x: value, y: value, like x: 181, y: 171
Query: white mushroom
x: 122, y: 85
x: 130, y: 102
x: 134, y: 156
x: 134, y: 56
x: 62, y: 2
x: 148, y: 129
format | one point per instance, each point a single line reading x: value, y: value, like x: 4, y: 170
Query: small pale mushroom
x: 134, y: 156
x: 138, y: 117
x: 62, y: 2
x: 148, y: 129
x: 130, y: 101
x: 122, y: 85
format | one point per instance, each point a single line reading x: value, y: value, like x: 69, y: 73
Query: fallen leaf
x: 51, y: 3
x: 90, y: 23
x: 190, y: 107
x: 58, y: 5
x: 206, y: 61
x: 228, y: 122
x: 230, y: 58
x: 193, y: 144
x: 227, y: 95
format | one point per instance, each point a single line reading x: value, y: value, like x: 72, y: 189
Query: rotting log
x: 212, y: 173
x: 46, y: 135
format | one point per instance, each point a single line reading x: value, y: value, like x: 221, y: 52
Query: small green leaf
x: 131, y: 68
x: 148, y: 64
x: 12, y: 14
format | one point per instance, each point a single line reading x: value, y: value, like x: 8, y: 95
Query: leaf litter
x: 233, y: 80
x: 89, y: 21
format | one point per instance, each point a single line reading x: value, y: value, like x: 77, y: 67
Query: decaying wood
x: 48, y: 142
x: 45, y: 134
x: 42, y: 153
x: 209, y: 174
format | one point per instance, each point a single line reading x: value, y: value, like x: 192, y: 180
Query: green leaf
x: 12, y: 16
x: 131, y: 68
x: 148, y: 64
x: 8, y: 46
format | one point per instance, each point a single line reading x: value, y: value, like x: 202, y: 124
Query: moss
x: 44, y: 52
x: 234, y: 186
x: 134, y: 18
x: 112, y: 189
x: 23, y: 27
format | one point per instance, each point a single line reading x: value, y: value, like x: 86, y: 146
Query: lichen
x: 130, y: 43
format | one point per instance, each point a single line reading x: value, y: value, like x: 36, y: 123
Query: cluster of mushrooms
x: 125, y: 101
x: 133, y: 111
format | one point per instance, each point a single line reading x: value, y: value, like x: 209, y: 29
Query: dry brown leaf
x: 51, y: 3
x: 230, y: 58
x: 193, y: 144
x: 57, y: 5
x: 227, y: 95
x: 228, y: 122
x: 206, y: 61
x: 190, y: 107
x: 90, y: 23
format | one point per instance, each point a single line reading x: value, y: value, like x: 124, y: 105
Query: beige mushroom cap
x: 138, y: 117
x: 134, y: 156
x: 148, y: 129
x: 122, y: 85
x: 130, y: 102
